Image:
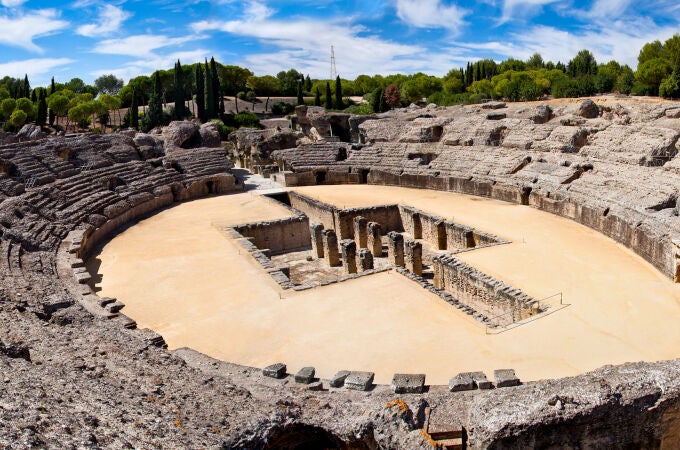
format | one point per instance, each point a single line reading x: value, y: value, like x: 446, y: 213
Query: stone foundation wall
x: 278, y: 236
x: 386, y: 215
x: 316, y: 211
x: 502, y: 303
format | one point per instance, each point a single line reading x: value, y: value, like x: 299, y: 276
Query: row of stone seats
x: 320, y: 154
x: 401, y: 383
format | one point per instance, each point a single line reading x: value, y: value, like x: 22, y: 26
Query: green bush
x: 362, y: 109
x: 18, y: 118
x: 223, y: 129
x: 566, y: 88
x: 282, y: 108
x: 247, y: 119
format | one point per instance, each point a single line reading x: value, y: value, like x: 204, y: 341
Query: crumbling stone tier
x: 78, y: 373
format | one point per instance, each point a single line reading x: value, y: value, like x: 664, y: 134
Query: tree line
x: 164, y: 94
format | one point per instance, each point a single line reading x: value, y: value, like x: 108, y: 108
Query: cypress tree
x: 300, y: 99
x: 317, y: 97
x: 180, y: 111
x: 34, y: 96
x: 41, y: 116
x: 134, y: 111
x: 308, y: 84
x: 26, y: 88
x: 339, y: 104
x: 329, y: 97
x: 210, y: 112
x: 200, y: 92
x: 216, y: 88
x: 377, y: 100
x: 155, y: 116
x: 52, y: 116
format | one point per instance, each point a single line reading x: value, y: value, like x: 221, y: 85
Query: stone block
x: 360, y: 234
x: 480, y: 380
x: 505, y: 378
x: 330, y: 248
x: 462, y: 382
x: 403, y: 383
x: 374, y: 243
x: 364, y: 260
x: 305, y: 375
x: 277, y: 370
x: 338, y: 379
x: 348, y: 249
x: 316, y: 232
x: 115, y: 307
x: 359, y: 381
x: 395, y: 249
x: 413, y: 257
x: 316, y: 386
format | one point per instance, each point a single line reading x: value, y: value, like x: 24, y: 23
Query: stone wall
x: 386, y: 215
x: 316, y: 211
x: 278, y: 236
x: 502, y: 303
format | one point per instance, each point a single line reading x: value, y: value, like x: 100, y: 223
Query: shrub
x: 246, y: 119
x: 282, y: 108
x: 18, y: 118
x: 362, y: 109
x: 223, y: 129
x: 566, y: 88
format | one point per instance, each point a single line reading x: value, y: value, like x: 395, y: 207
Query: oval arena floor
x: 180, y: 274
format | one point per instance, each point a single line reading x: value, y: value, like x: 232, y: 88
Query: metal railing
x: 544, y: 307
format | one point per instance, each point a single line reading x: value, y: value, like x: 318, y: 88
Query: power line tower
x: 334, y: 70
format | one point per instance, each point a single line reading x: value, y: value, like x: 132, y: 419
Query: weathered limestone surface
x: 364, y: 260
x: 348, y: 250
x: 316, y: 232
x: 395, y: 249
x: 374, y: 241
x: 360, y: 231
x: 413, y: 257
x: 330, y: 248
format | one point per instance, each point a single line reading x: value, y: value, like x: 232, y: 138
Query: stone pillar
x: 330, y: 248
x: 395, y: 249
x: 360, y: 231
x: 316, y: 231
x: 374, y: 239
x: 413, y: 257
x: 364, y: 260
x: 349, y: 255
x: 439, y: 232
x: 438, y: 266
x: 417, y: 226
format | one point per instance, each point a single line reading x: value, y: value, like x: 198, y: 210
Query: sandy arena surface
x: 179, y: 274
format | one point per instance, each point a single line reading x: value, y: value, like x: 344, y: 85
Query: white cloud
x: 431, y: 14
x: 148, y: 65
x: 110, y: 19
x: 35, y: 68
x: 620, y: 41
x: 12, y: 3
x: 305, y: 44
x: 141, y: 45
x: 21, y: 29
x: 512, y: 8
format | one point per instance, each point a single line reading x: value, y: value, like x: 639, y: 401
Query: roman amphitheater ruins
x: 484, y: 276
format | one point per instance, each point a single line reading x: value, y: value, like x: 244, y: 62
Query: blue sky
x: 87, y: 38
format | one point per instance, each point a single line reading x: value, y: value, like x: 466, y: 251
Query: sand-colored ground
x: 180, y: 275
